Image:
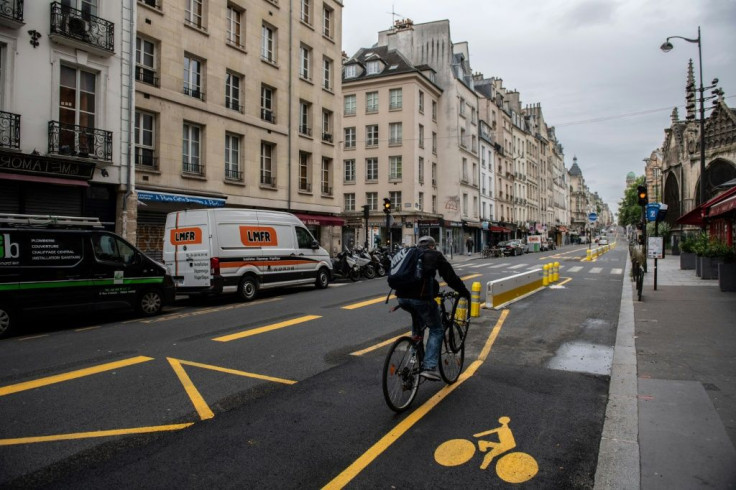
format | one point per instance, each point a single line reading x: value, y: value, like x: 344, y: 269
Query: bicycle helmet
x: 426, y: 241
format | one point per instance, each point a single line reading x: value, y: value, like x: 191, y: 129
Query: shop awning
x: 320, y: 220
x: 499, y: 229
x: 210, y: 202
x: 562, y: 229
x: 723, y: 207
x: 472, y: 224
x: 45, y: 180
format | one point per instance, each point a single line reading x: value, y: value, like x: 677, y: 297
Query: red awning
x: 320, y: 220
x: 694, y: 217
x: 723, y: 206
x: 499, y: 229
x: 45, y: 180
x: 715, y: 206
x: 562, y: 229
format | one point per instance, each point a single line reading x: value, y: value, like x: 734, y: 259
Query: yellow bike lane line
x: 348, y: 474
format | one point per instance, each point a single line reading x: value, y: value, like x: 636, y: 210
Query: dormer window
x: 373, y: 67
x: 351, y: 71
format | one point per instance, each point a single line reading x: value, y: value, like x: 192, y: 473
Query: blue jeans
x: 426, y: 313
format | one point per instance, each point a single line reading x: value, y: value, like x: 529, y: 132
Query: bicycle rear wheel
x: 460, y: 324
x: 451, y: 361
x: 401, y: 374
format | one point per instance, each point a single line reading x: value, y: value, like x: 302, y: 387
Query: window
x: 305, y: 117
x: 268, y: 43
x: 232, y: 91
x: 88, y: 7
x: 421, y: 102
x: 111, y: 249
x: 145, y: 60
x: 144, y: 140
x: 327, y: 73
x: 193, y: 77
x: 463, y: 143
x: 351, y: 71
x: 434, y: 110
x: 327, y: 20
x: 305, y: 62
x: 434, y: 175
x: 77, y: 97
x: 394, y: 168
x: 434, y: 142
x: 371, y: 135
x: 234, y: 22
x: 373, y: 67
x: 421, y: 136
x: 268, y: 177
x: 349, y: 176
x: 349, y: 105
x: 371, y: 102
x: 421, y: 201
x: 395, y: 101
x: 465, y: 170
x: 465, y: 204
x: 306, y: 11
x: 462, y: 106
x: 191, y: 149
x: 326, y: 176
x: 193, y: 15
x: 350, y: 138
x: 267, y: 104
x: 434, y: 204
x: 232, y: 157
x: 395, y: 197
x: 371, y: 199
x: 395, y: 133
x: 304, y: 239
x: 326, y: 125
x: 371, y: 169
x: 349, y: 200
x: 420, y: 171
x: 305, y: 169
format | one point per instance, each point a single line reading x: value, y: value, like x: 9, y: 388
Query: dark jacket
x: 432, y: 262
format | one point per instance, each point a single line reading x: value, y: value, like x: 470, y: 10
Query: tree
x: 629, y: 210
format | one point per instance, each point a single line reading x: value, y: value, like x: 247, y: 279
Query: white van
x: 211, y: 251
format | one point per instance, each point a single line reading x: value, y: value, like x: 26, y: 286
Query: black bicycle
x: 403, y: 362
x: 638, y: 274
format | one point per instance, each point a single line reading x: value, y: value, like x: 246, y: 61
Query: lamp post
x: 667, y: 47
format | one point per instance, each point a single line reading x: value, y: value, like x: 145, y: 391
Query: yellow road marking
x: 98, y: 433
x: 378, y: 346
x: 59, y: 378
x: 367, y: 303
x: 379, y: 447
x: 267, y: 328
x: 214, y: 309
x: 200, y: 405
x: 23, y: 339
x: 238, y: 373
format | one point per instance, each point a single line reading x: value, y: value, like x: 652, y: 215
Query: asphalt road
x: 285, y: 392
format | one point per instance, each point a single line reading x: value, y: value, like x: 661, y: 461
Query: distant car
x: 603, y: 241
x: 511, y: 247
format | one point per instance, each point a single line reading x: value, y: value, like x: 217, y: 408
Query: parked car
x: 511, y: 247
x: 603, y: 241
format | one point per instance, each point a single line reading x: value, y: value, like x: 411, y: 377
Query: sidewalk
x: 671, y: 415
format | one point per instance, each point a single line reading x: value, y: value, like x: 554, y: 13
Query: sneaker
x: 430, y: 374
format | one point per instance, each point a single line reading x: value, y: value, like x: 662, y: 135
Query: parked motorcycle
x: 344, y: 266
x: 365, y: 263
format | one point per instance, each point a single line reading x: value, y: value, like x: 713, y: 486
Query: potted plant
x: 727, y: 271
x: 700, y: 244
x: 687, y: 252
x: 713, y: 255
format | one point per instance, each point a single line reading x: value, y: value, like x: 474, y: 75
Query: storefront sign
x: 42, y: 165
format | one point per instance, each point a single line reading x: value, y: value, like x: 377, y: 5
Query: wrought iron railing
x: 146, y: 158
x: 189, y: 167
x: 305, y: 186
x: 12, y: 9
x: 146, y: 75
x: 82, y: 26
x: 268, y: 181
x: 193, y: 92
x: 75, y: 140
x: 268, y: 115
x: 9, y: 130
x: 233, y: 174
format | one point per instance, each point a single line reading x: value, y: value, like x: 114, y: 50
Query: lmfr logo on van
x: 186, y: 236
x: 258, y: 236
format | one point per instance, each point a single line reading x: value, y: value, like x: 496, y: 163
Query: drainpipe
x: 288, y: 129
x: 130, y: 184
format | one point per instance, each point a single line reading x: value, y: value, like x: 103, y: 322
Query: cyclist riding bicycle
x: 419, y: 302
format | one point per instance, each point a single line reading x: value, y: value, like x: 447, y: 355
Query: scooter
x: 344, y: 266
x: 365, y: 264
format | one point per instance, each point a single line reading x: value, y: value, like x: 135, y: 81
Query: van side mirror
x: 315, y: 244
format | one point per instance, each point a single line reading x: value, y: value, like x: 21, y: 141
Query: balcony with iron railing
x: 326, y: 190
x: 268, y: 181
x: 194, y: 92
x: 82, y: 30
x: 327, y: 137
x: 305, y: 130
x: 233, y: 174
x: 305, y: 186
x: 268, y: 115
x: 80, y: 141
x: 145, y: 159
x: 192, y: 167
x: 9, y: 130
x: 11, y: 13
x: 146, y: 75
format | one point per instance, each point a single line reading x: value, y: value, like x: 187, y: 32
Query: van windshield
x: 109, y: 248
x: 304, y: 238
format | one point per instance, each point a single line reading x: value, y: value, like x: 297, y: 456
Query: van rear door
x: 187, y: 255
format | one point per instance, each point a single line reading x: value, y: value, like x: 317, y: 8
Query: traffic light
x: 387, y: 205
x: 641, y: 193
x: 366, y: 211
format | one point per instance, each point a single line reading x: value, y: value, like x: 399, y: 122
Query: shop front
x: 326, y: 229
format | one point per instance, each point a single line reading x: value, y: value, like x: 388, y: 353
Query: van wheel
x: 248, y: 288
x: 6, y: 321
x: 150, y: 302
x: 323, y: 278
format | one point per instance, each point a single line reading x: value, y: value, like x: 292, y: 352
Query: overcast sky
x: 594, y: 65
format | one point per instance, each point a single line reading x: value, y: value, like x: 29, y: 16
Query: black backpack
x: 406, y: 268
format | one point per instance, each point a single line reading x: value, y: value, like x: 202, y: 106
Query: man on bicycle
x: 419, y: 302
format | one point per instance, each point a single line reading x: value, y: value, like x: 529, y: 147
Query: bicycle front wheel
x: 451, y: 361
x: 401, y: 375
x: 458, y: 331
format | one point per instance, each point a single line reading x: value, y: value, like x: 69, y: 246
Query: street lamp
x: 667, y: 47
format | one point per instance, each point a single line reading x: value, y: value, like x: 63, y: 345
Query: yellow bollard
x: 588, y: 255
x: 557, y: 271
x: 475, y: 300
x: 545, y: 273
x: 461, y: 312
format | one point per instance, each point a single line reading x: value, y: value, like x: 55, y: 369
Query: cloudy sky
x: 594, y: 65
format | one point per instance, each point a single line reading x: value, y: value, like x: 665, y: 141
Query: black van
x: 52, y: 264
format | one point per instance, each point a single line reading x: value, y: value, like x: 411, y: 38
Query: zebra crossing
x: 595, y: 269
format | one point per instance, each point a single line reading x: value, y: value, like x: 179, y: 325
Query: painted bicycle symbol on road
x: 512, y: 467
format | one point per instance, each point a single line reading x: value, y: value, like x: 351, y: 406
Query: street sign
x: 652, y: 211
x: 592, y: 217
x: 655, y: 247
